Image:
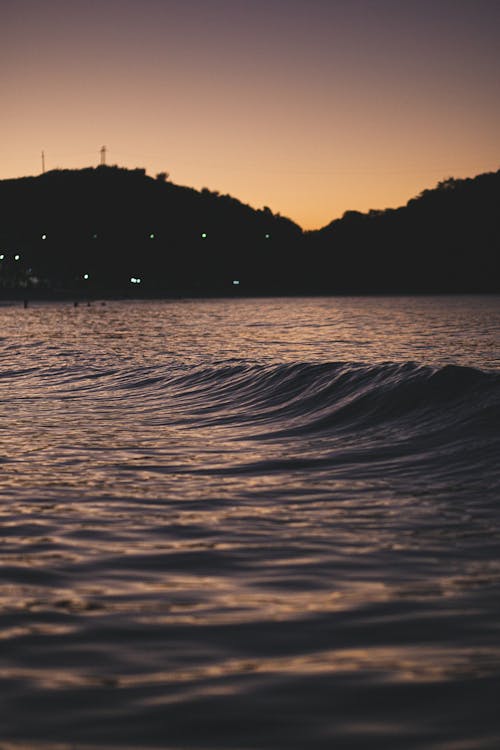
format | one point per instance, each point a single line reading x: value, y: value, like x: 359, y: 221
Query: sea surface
x: 250, y: 524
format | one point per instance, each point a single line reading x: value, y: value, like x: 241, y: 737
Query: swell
x: 305, y: 398
x: 381, y: 418
x: 297, y: 398
x: 386, y: 420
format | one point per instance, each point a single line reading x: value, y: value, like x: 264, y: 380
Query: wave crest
x: 322, y: 396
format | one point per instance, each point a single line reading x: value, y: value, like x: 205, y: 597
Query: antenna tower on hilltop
x: 103, y: 156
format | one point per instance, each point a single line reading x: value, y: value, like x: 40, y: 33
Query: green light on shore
x: 204, y: 235
x: 151, y: 236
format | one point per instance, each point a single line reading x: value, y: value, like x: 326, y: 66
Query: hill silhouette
x: 446, y: 239
x: 113, y: 230
x: 98, y: 228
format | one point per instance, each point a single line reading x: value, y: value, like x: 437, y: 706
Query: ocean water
x: 248, y: 524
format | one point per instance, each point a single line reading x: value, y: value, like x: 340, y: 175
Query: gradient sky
x: 311, y: 107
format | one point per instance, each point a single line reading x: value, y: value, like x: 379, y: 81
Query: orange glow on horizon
x: 334, y: 107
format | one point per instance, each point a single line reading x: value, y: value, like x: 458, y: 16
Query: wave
x: 299, y: 397
x: 383, y: 419
x: 386, y: 410
x: 315, y: 397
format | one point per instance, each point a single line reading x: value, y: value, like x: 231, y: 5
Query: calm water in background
x: 250, y: 524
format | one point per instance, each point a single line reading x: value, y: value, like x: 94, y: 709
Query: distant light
x: 236, y: 282
x: 203, y: 235
x: 2, y: 257
x: 44, y: 236
x: 134, y: 280
x: 17, y: 257
x: 268, y: 236
x: 86, y: 276
x: 94, y: 236
x: 151, y: 236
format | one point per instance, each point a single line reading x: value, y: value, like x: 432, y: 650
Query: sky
x: 310, y: 107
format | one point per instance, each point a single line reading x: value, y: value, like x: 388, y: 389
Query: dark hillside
x: 104, y: 229
x: 446, y: 239
x: 114, y: 225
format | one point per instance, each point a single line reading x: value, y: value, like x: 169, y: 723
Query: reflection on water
x: 250, y: 524
x: 437, y: 330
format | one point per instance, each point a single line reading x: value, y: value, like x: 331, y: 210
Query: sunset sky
x: 310, y: 107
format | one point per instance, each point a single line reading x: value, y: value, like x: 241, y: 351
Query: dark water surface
x: 251, y: 524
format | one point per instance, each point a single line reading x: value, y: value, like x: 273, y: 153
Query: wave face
x: 306, y: 416
x: 227, y: 537
x: 332, y: 396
